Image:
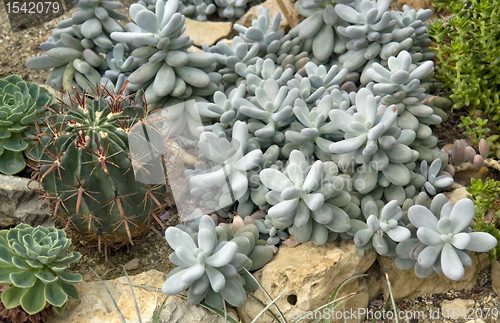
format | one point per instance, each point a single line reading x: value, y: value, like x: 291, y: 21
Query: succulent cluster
x: 21, y: 107
x: 212, y: 260
x: 34, y: 262
x: 311, y: 135
x: 78, y: 49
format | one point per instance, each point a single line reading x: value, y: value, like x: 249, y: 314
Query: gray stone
x: 22, y: 204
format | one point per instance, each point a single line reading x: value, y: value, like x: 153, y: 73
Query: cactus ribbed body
x: 86, y: 170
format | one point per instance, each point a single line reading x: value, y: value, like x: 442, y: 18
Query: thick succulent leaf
x: 428, y: 236
x: 176, y: 237
x: 216, y: 278
x: 481, y: 242
x: 234, y: 293
x: 174, y: 285
x: 461, y: 240
x: 380, y: 245
x: 54, y: 294
x: 399, y: 234
x: 193, y: 273
x: 68, y: 277
x: 224, y: 256
x: 283, y: 209
x: 420, y: 216
x: 69, y: 289
x: 362, y: 237
x: 206, y: 240
x: 428, y: 256
x: 450, y: 263
x: 33, y: 301
x: 23, y: 279
x: 11, y: 162
x: 462, y: 214
x: 12, y: 296
x: 274, y: 179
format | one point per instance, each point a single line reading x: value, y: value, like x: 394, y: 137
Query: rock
x: 273, y: 7
x: 455, y: 308
x: 466, y: 171
x: 495, y: 276
x: 96, y: 306
x: 132, y: 264
x: 416, y: 4
x: 406, y: 285
x: 207, y: 32
x: 456, y: 195
x: 20, y: 204
x: 310, y: 274
x: 476, y: 321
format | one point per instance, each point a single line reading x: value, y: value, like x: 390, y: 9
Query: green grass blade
x: 263, y: 305
x: 133, y: 295
x: 336, y: 291
x: 268, y: 296
x: 268, y: 306
x: 157, y: 313
x: 109, y: 293
x: 213, y: 309
x: 392, y: 298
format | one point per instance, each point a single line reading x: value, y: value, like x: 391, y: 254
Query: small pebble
x: 132, y: 264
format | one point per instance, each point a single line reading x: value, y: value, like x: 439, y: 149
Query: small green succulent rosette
x: 20, y: 109
x: 34, y: 261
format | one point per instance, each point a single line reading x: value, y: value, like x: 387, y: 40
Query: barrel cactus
x: 20, y: 109
x: 87, y: 172
x: 34, y: 261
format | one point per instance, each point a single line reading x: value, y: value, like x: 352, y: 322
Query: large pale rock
x: 495, y: 276
x: 273, y: 7
x: 453, y: 309
x: 21, y: 204
x: 405, y: 284
x: 95, y: 305
x: 310, y: 274
x: 456, y: 195
x: 207, y: 32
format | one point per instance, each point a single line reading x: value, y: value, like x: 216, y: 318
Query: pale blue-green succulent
x: 448, y: 239
x: 300, y: 199
x: 383, y: 229
x: 168, y: 69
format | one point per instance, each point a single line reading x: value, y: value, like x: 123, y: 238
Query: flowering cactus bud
x: 457, y: 153
x: 450, y: 169
x: 469, y: 154
x: 484, y: 148
x: 478, y: 162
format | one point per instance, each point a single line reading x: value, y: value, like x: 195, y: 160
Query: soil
x: 151, y: 252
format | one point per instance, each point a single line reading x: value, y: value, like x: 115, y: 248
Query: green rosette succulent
x: 34, y: 261
x: 20, y: 108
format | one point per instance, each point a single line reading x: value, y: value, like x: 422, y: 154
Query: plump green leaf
x: 33, y: 301
x: 12, y: 296
x: 70, y: 277
x: 54, y: 294
x: 69, y: 289
x: 46, y: 275
x: 23, y: 279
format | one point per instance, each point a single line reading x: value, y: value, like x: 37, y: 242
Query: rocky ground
x: 152, y: 252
